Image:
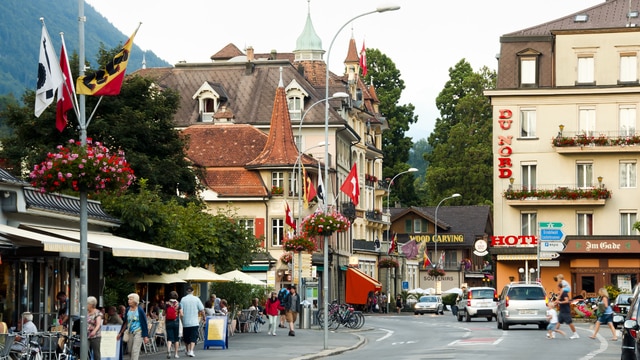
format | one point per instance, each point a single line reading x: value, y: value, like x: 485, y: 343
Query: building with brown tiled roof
x: 565, y: 156
x: 252, y: 118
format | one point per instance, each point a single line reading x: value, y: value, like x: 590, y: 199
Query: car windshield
x: 428, y: 299
x: 623, y: 299
x: 526, y: 293
x: 482, y: 294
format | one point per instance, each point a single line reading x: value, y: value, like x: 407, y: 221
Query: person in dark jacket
x: 292, y: 308
x: 135, y: 322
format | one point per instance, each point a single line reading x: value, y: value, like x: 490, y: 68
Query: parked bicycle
x: 341, y: 315
x: 68, y: 349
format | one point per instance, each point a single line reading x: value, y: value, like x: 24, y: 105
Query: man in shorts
x: 192, y: 308
x: 564, y: 317
x: 292, y: 308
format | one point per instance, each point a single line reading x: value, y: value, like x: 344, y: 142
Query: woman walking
x: 272, y: 309
x: 605, y: 314
x: 94, y: 323
x: 172, y: 324
x: 135, y: 324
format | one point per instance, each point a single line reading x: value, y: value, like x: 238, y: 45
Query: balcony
x: 568, y: 143
x: 374, y: 215
x: 556, y: 195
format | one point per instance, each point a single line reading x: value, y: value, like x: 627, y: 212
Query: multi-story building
x: 566, y: 151
x: 250, y: 146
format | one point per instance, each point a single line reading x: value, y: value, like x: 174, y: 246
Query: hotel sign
x: 602, y: 246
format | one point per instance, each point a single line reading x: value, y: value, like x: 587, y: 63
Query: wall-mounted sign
x: 504, y: 145
x: 514, y: 240
x: 480, y: 247
x: 442, y: 238
x: 602, y: 246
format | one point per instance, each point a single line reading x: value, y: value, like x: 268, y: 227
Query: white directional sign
x: 548, y: 255
x: 557, y: 246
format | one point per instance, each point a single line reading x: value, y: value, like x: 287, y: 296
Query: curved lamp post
x: 435, y: 237
x: 325, y: 261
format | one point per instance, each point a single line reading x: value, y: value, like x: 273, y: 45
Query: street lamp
x: 325, y: 260
x: 435, y: 237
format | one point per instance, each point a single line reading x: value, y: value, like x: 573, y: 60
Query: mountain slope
x: 20, y: 30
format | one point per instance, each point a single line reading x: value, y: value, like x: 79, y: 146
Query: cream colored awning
x: 31, y: 238
x: 119, y: 246
x: 522, y: 257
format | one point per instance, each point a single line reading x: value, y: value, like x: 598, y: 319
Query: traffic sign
x: 549, y: 263
x: 552, y: 246
x: 549, y: 224
x: 551, y: 234
x: 548, y: 255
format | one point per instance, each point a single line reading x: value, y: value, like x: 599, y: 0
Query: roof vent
x: 581, y: 18
x: 632, y: 14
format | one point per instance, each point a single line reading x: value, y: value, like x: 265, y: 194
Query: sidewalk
x: 306, y: 345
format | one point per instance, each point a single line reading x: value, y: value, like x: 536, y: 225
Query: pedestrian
x: 552, y: 318
x: 135, y: 324
x: 605, y: 314
x: 192, y: 308
x: 282, y: 296
x: 216, y: 302
x: 564, y: 317
x: 292, y: 308
x: 95, y: 318
x: 384, y: 303
x: 63, y: 309
x: 398, y: 304
x: 564, y: 284
x: 272, y: 310
x: 172, y: 324
x: 112, y: 316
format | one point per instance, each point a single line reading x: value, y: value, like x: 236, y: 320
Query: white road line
x: 389, y: 333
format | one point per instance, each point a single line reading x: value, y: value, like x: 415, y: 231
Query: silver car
x: 478, y: 302
x: 429, y: 304
x: 522, y: 304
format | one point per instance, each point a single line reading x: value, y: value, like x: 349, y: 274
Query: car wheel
x: 415, y: 313
x: 498, y: 323
x: 489, y: 318
x: 467, y: 317
x: 505, y: 326
x: 459, y: 316
x: 542, y: 326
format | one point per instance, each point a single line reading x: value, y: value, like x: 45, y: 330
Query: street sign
x: 549, y: 224
x: 550, y: 263
x: 556, y: 246
x: 551, y: 234
x: 548, y: 255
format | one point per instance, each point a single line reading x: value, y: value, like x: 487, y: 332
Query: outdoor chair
x: 5, y: 347
x: 150, y: 347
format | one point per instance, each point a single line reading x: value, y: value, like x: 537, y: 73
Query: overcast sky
x: 424, y: 38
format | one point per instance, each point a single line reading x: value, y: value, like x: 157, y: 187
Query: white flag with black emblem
x: 49, y: 74
x: 320, y: 185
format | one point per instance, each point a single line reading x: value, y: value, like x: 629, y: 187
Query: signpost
x: 551, y: 241
x: 557, y: 246
x: 551, y: 234
x: 548, y: 255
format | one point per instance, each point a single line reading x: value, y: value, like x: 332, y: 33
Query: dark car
x: 620, y: 307
x: 630, y: 332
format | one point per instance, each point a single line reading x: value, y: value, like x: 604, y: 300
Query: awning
x: 255, y: 268
x: 30, y: 238
x: 119, y: 246
x: 523, y: 257
x: 359, y: 285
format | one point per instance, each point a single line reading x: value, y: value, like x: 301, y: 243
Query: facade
x: 565, y: 150
x: 250, y: 144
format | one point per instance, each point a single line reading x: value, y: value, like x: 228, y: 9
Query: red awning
x: 359, y: 285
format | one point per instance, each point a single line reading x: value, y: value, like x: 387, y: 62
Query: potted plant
x: 436, y: 272
x: 387, y: 263
x: 277, y: 190
x: 74, y: 168
x: 299, y: 243
x: 286, y: 258
x: 324, y: 224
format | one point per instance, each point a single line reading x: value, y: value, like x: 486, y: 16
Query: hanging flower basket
x: 76, y: 168
x: 387, y: 263
x: 324, y: 224
x: 286, y: 258
x: 300, y: 243
x: 436, y: 272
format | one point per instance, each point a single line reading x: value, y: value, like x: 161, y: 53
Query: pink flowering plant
x: 74, y: 168
x: 320, y: 223
x: 286, y: 258
x: 387, y: 263
x: 299, y: 243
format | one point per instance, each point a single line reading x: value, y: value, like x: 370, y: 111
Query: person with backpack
x: 282, y: 297
x: 172, y: 324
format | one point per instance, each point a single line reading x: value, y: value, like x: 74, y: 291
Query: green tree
x: 461, y: 161
x: 384, y: 75
x: 417, y: 159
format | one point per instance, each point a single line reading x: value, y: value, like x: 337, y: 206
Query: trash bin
x: 305, y: 317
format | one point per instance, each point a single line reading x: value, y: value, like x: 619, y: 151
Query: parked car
x: 620, y: 306
x: 478, y: 302
x: 522, y: 304
x: 429, y: 304
x: 630, y: 331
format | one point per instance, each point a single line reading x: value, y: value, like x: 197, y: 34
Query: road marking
x: 388, y: 334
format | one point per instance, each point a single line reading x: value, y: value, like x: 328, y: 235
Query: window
x: 585, y: 224
x: 408, y: 226
x: 627, y: 219
x: 628, y: 68
x: 247, y: 224
x: 585, y: 70
x: 277, y: 179
x: 528, y: 123
x: 587, y: 121
x: 451, y: 260
x: 277, y: 232
x: 627, y: 174
x: 295, y: 107
x: 627, y: 115
x: 528, y: 224
x: 529, y: 176
x: 293, y: 183
x: 584, y: 175
x: 417, y: 228
x: 528, y: 71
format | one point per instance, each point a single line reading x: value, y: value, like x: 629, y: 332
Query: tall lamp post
x: 325, y: 260
x: 435, y: 237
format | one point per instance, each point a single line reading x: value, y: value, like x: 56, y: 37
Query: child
x: 552, y: 317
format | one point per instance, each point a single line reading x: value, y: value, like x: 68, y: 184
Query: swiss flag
x: 394, y: 244
x: 350, y: 185
x: 363, y: 60
x: 65, y: 91
x: 289, y: 215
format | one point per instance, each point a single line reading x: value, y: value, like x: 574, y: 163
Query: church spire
x: 309, y: 44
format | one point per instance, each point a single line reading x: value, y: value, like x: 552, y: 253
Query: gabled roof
x: 607, y: 15
x: 228, y: 52
x: 209, y: 144
x: 235, y: 182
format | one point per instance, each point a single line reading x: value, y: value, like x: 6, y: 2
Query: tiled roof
x: 352, y: 52
x: 64, y: 204
x: 209, y: 144
x: 228, y: 52
x: 235, y: 182
x: 609, y: 14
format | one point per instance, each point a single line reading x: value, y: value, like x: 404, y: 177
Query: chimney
x: 250, y: 56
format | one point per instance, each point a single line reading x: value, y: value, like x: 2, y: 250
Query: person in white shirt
x: 28, y: 327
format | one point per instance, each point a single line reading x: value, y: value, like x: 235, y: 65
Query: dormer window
x: 209, y: 96
x: 528, y: 62
x: 295, y: 100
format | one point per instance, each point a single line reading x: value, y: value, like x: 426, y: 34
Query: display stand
x: 215, y: 331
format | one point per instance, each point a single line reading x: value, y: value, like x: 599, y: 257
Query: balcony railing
x: 567, y: 142
x: 556, y: 195
x: 375, y: 215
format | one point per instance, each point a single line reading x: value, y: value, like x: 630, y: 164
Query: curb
x: 330, y: 352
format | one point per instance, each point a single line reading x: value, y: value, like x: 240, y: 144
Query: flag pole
x: 84, y: 348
